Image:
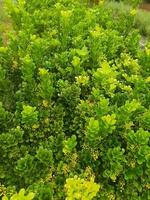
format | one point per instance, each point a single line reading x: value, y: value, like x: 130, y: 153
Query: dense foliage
x: 74, y: 104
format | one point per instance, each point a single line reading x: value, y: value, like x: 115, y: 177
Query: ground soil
x: 145, y: 6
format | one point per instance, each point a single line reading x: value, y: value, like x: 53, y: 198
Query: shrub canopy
x: 74, y: 103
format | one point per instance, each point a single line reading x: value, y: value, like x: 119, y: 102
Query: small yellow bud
x: 133, y: 12
x: 147, y: 50
x: 45, y: 103
x: 15, y: 64
x: 35, y: 126
x: 46, y: 121
x: 128, y: 125
x: 66, y: 13
x: 33, y: 37
x: 43, y: 71
x: 147, y: 186
x: 3, y: 49
x: 148, y: 79
x: 132, y: 164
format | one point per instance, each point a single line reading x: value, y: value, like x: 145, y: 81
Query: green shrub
x: 74, y: 103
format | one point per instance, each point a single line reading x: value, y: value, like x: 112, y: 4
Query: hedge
x: 74, y: 104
